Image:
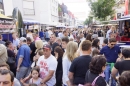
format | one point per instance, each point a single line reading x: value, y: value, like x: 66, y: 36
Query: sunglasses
x: 113, y: 44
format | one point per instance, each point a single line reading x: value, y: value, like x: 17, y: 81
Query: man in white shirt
x: 60, y: 34
x: 16, y: 41
x: 30, y: 35
x: 47, y: 65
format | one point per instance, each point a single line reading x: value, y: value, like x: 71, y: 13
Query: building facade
x: 1, y: 7
x: 119, y: 8
x: 43, y: 11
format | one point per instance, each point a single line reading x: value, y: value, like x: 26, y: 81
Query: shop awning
x: 127, y: 17
x: 30, y: 22
x: 4, y: 17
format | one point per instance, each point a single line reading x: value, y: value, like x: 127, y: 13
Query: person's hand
x: 26, y: 79
x: 15, y: 51
x: 22, y: 81
x: 43, y: 85
x: 36, y: 57
x: 17, y: 69
x: 117, y: 78
x: 68, y: 83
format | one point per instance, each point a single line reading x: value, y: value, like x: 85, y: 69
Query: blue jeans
x: 23, y: 72
x: 107, y: 75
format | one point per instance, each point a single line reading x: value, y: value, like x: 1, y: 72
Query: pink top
x: 37, y: 38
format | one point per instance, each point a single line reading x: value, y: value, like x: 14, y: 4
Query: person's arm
x: 23, y: 82
x: 48, y: 77
x: 71, y: 77
x: 20, y: 59
x: 28, y: 77
x: 113, y: 73
x: 19, y: 63
x: 72, y: 71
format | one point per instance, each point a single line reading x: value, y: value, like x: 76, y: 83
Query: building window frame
x: 26, y: 10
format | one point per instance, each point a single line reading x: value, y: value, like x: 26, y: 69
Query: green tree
x: 88, y: 21
x: 102, y: 8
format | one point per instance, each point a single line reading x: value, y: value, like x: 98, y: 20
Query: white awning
x: 30, y: 21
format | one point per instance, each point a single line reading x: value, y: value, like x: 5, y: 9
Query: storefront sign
x: 6, y: 24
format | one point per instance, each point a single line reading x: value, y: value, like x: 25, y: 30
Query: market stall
x: 7, y: 27
x: 30, y: 24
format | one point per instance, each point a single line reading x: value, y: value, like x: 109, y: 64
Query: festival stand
x: 7, y: 27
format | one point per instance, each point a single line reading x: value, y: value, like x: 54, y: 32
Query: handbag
x: 11, y: 60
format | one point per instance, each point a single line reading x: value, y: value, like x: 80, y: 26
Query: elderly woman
x: 97, y: 66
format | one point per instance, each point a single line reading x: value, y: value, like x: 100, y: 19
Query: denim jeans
x: 108, y: 75
x: 23, y: 72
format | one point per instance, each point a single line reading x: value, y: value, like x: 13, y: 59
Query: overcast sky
x: 80, y: 8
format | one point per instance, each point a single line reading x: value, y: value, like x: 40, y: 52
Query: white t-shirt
x: 30, y: 35
x: 60, y: 35
x: 66, y: 66
x: 83, y: 39
x: 50, y: 32
x: 16, y: 42
x: 46, y: 65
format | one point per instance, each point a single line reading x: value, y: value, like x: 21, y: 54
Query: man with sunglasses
x: 111, y: 52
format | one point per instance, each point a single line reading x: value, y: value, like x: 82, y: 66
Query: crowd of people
x: 68, y: 58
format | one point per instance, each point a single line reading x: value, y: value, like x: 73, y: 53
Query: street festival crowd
x: 69, y: 57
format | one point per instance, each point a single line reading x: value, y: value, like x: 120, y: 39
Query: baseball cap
x: 46, y: 46
x: 23, y: 39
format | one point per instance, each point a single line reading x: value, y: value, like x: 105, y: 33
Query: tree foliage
x: 102, y: 8
x: 88, y: 21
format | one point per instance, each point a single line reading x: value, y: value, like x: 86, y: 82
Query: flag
x: 126, y: 6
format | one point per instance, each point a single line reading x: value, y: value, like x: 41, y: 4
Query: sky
x: 79, y: 8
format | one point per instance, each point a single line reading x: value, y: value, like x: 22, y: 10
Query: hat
x: 46, y: 46
x: 23, y: 39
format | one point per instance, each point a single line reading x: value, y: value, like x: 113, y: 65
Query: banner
x: 6, y: 24
x: 126, y: 7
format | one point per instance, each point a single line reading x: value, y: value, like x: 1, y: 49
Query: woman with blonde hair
x: 68, y: 57
x: 38, y: 45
